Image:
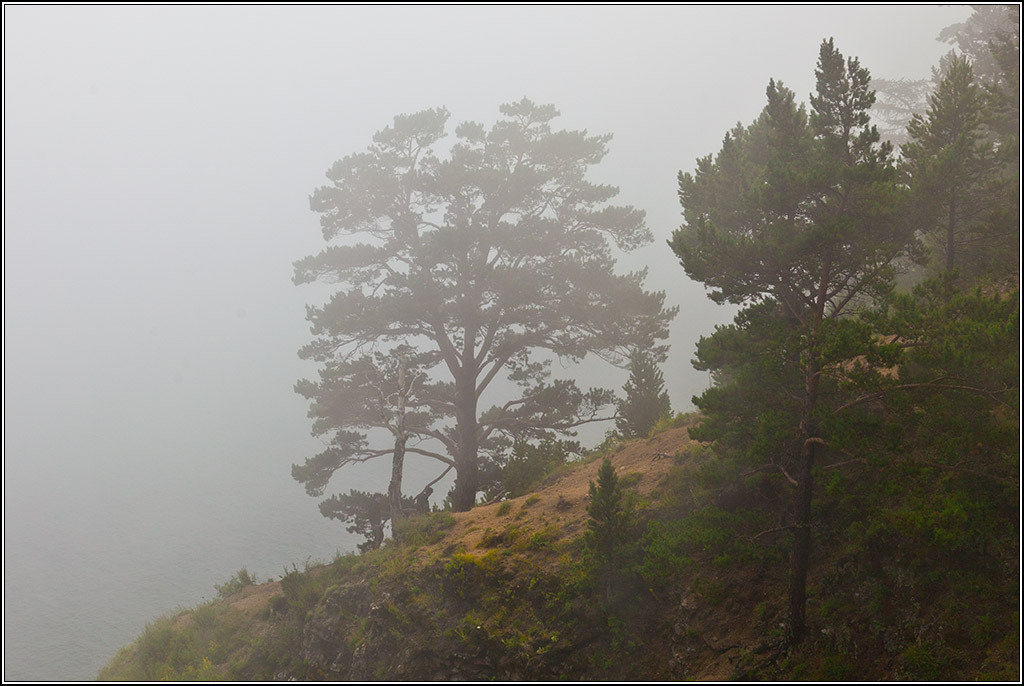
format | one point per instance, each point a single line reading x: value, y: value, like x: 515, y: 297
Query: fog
x: 157, y: 168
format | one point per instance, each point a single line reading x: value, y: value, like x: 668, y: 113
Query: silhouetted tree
x: 368, y: 514
x: 896, y: 103
x: 387, y: 391
x: 980, y: 37
x: 485, y: 257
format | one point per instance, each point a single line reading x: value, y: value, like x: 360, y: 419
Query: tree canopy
x: 492, y: 252
x: 798, y: 219
x: 803, y: 219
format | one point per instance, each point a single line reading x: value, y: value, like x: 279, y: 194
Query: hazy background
x: 157, y: 165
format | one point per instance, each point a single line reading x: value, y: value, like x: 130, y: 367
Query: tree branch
x: 437, y: 456
x: 771, y: 531
x: 927, y: 385
x: 428, y: 486
x: 965, y: 470
x: 844, y: 462
x: 433, y: 433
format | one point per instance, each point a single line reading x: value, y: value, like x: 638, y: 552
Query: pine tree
x: 951, y: 167
x: 386, y: 391
x: 489, y: 255
x: 646, y: 400
x: 797, y: 218
x: 367, y: 514
x: 611, y: 520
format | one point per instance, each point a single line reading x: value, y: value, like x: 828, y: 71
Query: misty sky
x: 158, y: 163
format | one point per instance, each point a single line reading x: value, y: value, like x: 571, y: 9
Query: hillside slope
x: 510, y: 591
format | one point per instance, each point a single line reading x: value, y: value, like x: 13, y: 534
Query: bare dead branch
x: 788, y: 477
x: 428, y: 486
x: 844, y: 462
x: 771, y: 531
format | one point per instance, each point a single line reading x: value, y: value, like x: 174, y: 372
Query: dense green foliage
x: 520, y: 469
x: 805, y: 221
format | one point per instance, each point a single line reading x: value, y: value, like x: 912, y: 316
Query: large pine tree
x: 797, y: 219
x: 488, y: 255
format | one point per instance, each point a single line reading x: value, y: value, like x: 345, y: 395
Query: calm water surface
x: 86, y: 568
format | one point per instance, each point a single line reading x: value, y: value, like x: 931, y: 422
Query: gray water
x: 99, y: 563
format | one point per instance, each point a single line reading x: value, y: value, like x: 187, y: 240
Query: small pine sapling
x: 646, y: 400
x: 611, y: 521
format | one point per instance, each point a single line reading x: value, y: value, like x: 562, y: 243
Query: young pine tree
x: 611, y: 518
x: 646, y: 400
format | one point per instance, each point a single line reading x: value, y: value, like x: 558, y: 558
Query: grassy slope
x: 510, y: 591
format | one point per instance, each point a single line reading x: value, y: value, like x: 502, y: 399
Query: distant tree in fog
x: 646, y: 400
x: 951, y: 166
x: 483, y: 256
x: 896, y: 103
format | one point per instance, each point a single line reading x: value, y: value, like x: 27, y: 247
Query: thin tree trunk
x: 950, y: 231
x: 398, y: 457
x: 395, y: 487
x: 802, y: 514
x: 801, y: 547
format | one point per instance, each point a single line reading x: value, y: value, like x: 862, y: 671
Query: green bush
x: 665, y: 555
x: 424, y: 529
x: 235, y: 584
x: 522, y: 469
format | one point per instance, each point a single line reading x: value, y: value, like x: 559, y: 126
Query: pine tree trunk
x: 466, y: 468
x: 802, y: 514
x: 398, y: 457
x: 950, y: 231
x: 801, y: 547
x: 395, y: 487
